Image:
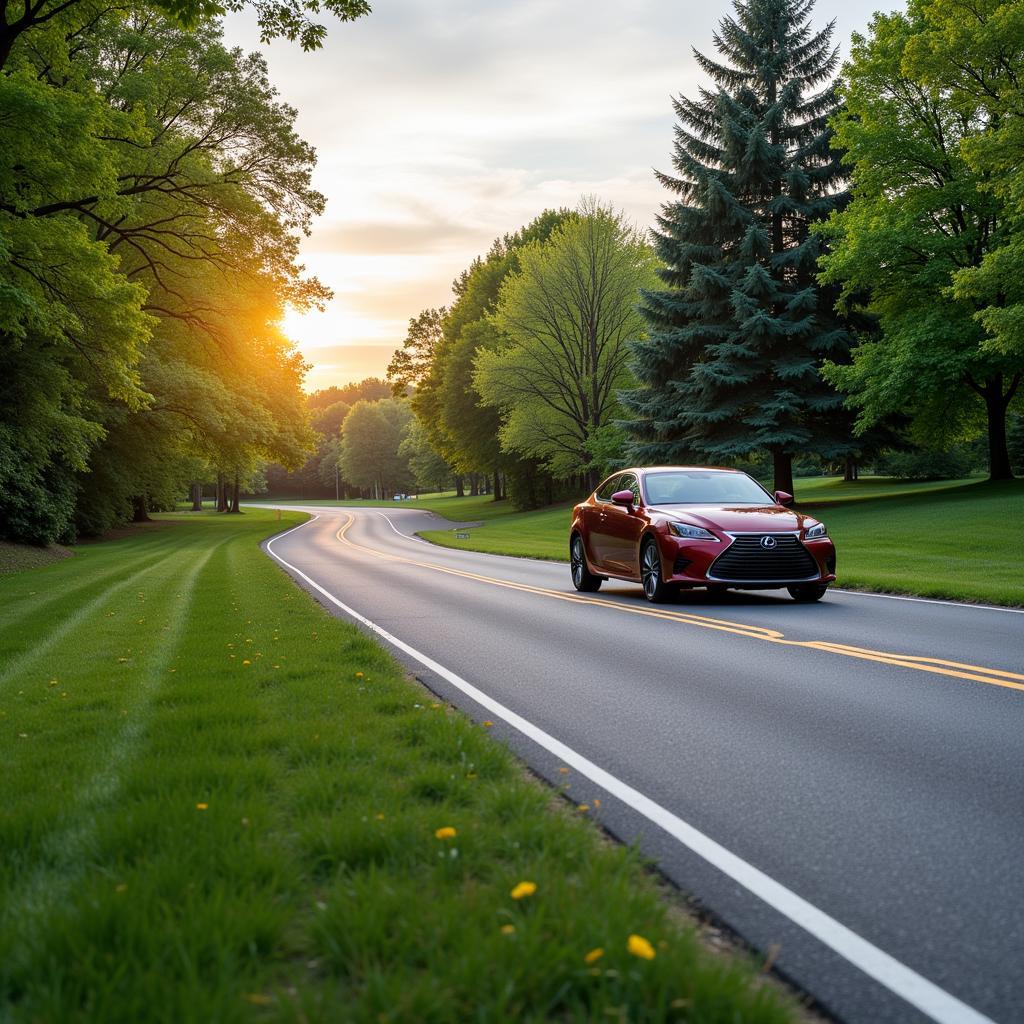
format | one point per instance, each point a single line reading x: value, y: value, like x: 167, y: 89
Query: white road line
x: 899, y: 979
x: 404, y: 536
x: 930, y: 600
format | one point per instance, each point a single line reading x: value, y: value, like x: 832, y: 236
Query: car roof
x: 662, y: 469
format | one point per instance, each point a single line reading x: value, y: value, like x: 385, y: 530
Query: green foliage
x: 372, y: 435
x: 924, y: 218
x: 152, y: 190
x: 562, y: 322
x: 740, y: 329
x: 928, y: 464
x: 461, y: 429
x: 429, y: 470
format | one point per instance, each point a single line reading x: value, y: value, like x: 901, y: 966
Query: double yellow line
x: 936, y: 666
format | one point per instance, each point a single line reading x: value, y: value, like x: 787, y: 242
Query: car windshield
x: 703, y: 487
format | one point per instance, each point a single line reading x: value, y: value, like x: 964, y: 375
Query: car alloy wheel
x: 655, y: 588
x: 582, y: 578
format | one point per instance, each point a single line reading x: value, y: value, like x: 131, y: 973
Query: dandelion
x: 247, y: 662
x: 508, y: 929
x: 583, y: 807
x: 524, y: 889
x: 488, y: 724
x: 359, y: 675
x: 447, y: 832
x: 380, y: 817
x: 593, y: 956
x: 639, y: 946
x: 202, y: 807
x: 122, y: 660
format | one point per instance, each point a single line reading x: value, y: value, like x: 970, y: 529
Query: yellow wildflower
x: 593, y: 956
x: 247, y: 662
x: 639, y: 946
x: 508, y: 929
x: 445, y: 833
x: 583, y: 807
x: 524, y: 889
x: 202, y: 807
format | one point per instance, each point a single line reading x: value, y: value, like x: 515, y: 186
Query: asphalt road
x: 843, y: 781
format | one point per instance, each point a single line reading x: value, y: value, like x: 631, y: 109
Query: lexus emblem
x: 768, y: 543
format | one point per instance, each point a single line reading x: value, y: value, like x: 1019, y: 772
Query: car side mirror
x: 784, y: 498
x: 623, y: 498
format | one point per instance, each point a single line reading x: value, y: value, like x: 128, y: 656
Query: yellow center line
x: 935, y: 666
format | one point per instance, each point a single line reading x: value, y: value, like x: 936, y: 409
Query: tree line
x: 153, y: 191
x: 836, y: 276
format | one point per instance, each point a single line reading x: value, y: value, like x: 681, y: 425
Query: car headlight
x: 692, y: 532
x: 816, y: 531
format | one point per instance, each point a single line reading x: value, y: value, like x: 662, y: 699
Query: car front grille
x: 746, y: 561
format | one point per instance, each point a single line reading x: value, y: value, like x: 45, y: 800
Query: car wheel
x: 582, y: 577
x: 655, y: 588
x: 807, y: 594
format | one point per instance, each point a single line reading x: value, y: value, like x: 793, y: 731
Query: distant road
x: 843, y: 781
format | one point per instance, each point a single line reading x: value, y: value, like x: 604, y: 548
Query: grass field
x: 960, y: 540
x: 221, y: 804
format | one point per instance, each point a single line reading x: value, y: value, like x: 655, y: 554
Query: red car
x: 670, y: 527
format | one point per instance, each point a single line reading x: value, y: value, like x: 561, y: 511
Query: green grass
x: 959, y: 540
x: 219, y: 804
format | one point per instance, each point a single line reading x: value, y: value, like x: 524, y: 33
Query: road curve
x: 859, y: 759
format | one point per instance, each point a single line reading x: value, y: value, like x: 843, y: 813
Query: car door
x: 596, y: 517
x: 622, y: 528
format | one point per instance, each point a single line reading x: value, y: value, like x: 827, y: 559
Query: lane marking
x: 931, y: 600
x: 404, y: 536
x: 934, y: 666
x: 892, y: 974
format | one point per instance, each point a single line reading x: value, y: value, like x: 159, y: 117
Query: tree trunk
x: 140, y: 509
x: 497, y: 486
x: 222, y: 494
x: 460, y: 490
x: 999, y: 467
x: 782, y: 467
x: 852, y: 471
x: 197, y: 497
x: 474, y: 485
x: 234, y: 497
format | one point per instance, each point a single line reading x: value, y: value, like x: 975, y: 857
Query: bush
x: 927, y: 464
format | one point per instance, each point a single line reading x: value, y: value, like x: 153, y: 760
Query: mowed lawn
x: 961, y: 540
x: 221, y: 804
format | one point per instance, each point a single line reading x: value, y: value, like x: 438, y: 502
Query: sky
x: 442, y: 124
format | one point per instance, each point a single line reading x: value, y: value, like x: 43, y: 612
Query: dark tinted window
x: 704, y: 487
x: 608, y: 488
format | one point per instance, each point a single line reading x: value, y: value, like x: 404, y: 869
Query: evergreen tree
x: 737, y: 336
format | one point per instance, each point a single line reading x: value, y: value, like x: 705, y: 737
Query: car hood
x: 742, y: 519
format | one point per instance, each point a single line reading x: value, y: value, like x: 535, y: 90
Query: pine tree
x: 736, y: 338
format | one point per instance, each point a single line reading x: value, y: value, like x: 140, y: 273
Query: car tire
x: 656, y: 589
x: 582, y: 578
x: 808, y: 593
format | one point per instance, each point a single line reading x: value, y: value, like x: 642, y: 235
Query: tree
x: 145, y: 257
x: 738, y: 334
x: 67, y: 19
x: 563, y: 320
x: 371, y: 437
x: 412, y: 362
x: 429, y: 470
x: 922, y: 220
x: 462, y: 429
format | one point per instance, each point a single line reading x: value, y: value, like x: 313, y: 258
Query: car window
x: 710, y: 487
x: 628, y: 482
x: 608, y: 488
